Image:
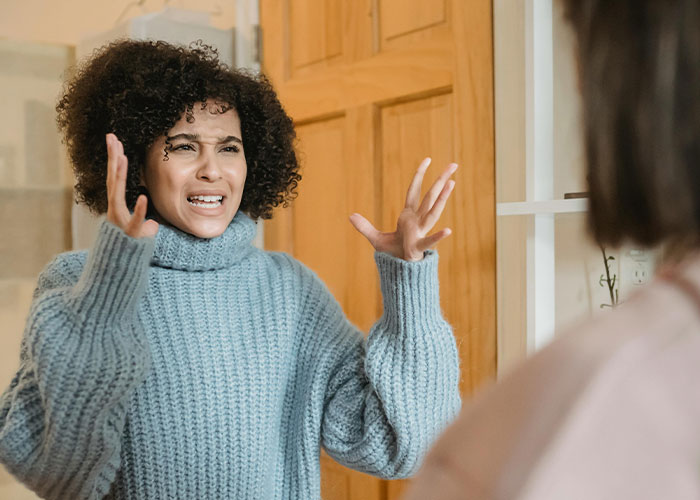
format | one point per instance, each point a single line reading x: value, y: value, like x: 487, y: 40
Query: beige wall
x: 35, y: 192
x: 37, y: 46
x: 511, y: 232
x: 68, y: 21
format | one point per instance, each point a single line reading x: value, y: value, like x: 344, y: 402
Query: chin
x: 207, y: 232
x: 200, y: 227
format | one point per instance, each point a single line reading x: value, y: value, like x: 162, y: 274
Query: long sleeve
x: 82, y: 356
x: 388, y: 397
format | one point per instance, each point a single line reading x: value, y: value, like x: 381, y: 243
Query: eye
x: 182, y: 147
x: 230, y: 149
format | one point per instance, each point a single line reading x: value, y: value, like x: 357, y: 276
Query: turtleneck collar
x: 179, y: 250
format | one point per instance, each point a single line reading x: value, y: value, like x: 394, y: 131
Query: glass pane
x: 510, y: 105
x: 569, y: 164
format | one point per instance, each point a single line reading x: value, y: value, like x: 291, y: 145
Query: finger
x: 119, y: 190
x: 365, y: 228
x: 113, y: 211
x: 150, y: 227
x: 413, y: 194
x: 436, y: 188
x: 111, y: 163
x: 138, y: 216
x: 434, y: 214
x: 115, y: 157
x: 430, y: 241
x: 115, y: 149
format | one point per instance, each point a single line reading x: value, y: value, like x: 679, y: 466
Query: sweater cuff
x: 409, y: 289
x: 115, y: 275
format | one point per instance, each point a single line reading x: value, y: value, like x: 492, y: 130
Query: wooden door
x: 374, y: 86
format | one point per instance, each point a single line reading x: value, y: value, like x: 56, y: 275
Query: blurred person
x: 176, y: 360
x: 610, y: 409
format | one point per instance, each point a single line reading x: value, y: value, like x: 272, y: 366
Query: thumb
x: 364, y: 227
x: 430, y: 241
x: 150, y: 228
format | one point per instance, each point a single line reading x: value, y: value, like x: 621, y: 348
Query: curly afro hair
x: 140, y: 89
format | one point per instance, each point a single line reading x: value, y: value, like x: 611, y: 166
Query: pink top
x: 610, y: 410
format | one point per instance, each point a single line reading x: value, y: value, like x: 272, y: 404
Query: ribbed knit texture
x: 179, y: 367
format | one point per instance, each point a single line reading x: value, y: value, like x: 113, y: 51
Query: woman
x: 176, y: 360
x: 610, y: 410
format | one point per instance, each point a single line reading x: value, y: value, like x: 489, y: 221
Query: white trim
x: 578, y: 205
x: 539, y: 170
x: 540, y: 282
x: 539, y: 102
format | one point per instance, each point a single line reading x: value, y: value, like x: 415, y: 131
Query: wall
x: 37, y: 47
x: 68, y: 21
x: 35, y: 192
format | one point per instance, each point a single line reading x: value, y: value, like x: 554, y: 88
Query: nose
x: 209, y: 169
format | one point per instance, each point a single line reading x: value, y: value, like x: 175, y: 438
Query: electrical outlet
x: 640, y: 273
x: 636, y: 269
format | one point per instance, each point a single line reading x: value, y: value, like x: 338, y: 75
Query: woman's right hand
x: 118, y: 214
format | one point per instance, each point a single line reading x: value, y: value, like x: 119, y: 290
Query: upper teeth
x: 207, y: 198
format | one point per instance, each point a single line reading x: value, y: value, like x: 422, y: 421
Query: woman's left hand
x: 411, y: 239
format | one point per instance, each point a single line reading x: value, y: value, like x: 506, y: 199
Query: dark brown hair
x: 140, y: 89
x: 639, y: 68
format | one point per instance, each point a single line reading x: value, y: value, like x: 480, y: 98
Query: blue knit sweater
x: 179, y: 367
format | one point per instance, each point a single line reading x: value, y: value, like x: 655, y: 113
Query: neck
x: 177, y: 249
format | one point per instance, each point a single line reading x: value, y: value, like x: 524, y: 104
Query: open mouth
x: 206, y: 201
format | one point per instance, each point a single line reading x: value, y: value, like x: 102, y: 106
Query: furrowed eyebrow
x: 230, y: 138
x: 189, y: 137
x: 196, y: 137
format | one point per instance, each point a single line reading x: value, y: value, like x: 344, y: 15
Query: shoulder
x: 585, y: 369
x: 614, y: 342
x: 657, y: 315
x: 63, y: 271
x: 650, y: 341
x: 637, y: 367
x: 590, y: 362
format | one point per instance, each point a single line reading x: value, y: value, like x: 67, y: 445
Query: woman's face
x: 198, y: 188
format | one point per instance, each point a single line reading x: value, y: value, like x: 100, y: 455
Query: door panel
x: 404, y: 23
x: 315, y: 34
x: 374, y: 86
x: 324, y: 174
x: 398, y: 17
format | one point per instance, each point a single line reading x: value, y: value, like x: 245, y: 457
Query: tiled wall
x: 35, y: 193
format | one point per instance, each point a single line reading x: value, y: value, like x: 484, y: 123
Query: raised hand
x: 117, y: 212
x: 411, y: 239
